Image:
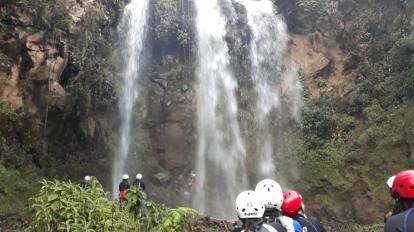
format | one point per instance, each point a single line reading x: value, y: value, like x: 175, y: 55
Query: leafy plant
x: 64, y: 206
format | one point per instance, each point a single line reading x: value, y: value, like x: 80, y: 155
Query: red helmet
x: 403, y: 185
x: 292, y: 203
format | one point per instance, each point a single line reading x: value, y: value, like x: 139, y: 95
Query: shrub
x: 64, y: 206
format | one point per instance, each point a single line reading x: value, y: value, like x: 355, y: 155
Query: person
x: 191, y: 182
x: 271, y: 193
x: 139, y: 182
x: 402, y: 190
x: 250, y: 209
x: 85, y: 182
x: 123, y: 187
x: 294, y: 207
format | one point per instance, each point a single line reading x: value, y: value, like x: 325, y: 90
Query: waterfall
x: 270, y: 74
x: 220, y: 168
x: 132, y: 32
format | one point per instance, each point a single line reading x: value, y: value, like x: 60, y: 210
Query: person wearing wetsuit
x: 293, y: 207
x: 403, y: 191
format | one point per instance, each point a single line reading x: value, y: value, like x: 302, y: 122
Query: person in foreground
x: 271, y: 193
x: 402, y: 190
x: 250, y: 209
x: 293, y: 207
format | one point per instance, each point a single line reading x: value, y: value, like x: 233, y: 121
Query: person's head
x: 271, y: 193
x: 139, y: 176
x: 403, y: 188
x: 87, y: 178
x: 292, y: 203
x: 249, y: 206
x: 125, y: 177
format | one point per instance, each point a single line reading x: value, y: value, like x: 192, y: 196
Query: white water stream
x: 267, y: 50
x: 132, y: 31
x: 221, y: 152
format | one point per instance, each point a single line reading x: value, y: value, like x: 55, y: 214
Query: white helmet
x: 139, y: 176
x: 87, y: 178
x: 390, y: 181
x: 249, y: 205
x: 125, y: 177
x: 271, y: 193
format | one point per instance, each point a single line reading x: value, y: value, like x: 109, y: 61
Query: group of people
x: 401, y: 218
x: 269, y: 209
x: 124, y: 185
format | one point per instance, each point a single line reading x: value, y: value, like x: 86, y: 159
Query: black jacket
x: 124, y: 185
x: 403, y: 222
x: 310, y: 224
x: 139, y: 184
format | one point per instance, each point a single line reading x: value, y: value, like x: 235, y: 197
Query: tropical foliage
x: 65, y: 206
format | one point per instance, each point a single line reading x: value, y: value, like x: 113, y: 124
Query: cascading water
x: 268, y: 48
x: 132, y: 31
x: 221, y: 152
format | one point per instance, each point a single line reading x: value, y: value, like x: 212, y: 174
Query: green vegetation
x: 347, y: 146
x: 17, y: 151
x: 64, y: 206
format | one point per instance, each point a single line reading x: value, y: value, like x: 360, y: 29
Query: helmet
x: 125, y: 177
x: 271, y: 192
x: 87, y: 178
x: 292, y: 203
x: 403, y: 185
x: 139, y: 176
x: 390, y: 181
x: 249, y: 205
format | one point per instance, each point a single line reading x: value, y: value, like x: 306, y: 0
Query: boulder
x: 9, y: 88
x: 59, y: 97
x: 161, y: 178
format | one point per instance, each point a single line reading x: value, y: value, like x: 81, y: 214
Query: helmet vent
x: 412, y: 188
x: 243, y: 210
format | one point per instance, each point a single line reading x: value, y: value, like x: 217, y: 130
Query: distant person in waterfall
x: 294, y: 207
x: 191, y: 182
x: 123, y: 187
x: 250, y: 209
x: 396, y: 209
x: 271, y: 193
x: 402, y: 190
x: 85, y: 182
x: 139, y: 182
